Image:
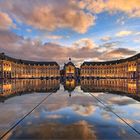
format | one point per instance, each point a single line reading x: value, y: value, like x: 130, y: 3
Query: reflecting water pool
x: 77, y: 110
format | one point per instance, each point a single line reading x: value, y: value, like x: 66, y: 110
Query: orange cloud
x: 50, y: 18
x: 130, y: 7
x: 54, y: 37
x: 81, y: 50
x: 85, y: 43
x: 117, y: 53
x: 71, y: 14
x: 5, y: 21
x: 50, y: 15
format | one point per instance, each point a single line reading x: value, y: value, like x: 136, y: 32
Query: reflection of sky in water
x: 127, y: 108
x: 80, y: 116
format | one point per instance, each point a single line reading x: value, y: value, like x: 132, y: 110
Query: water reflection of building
x: 15, y: 68
x: 111, y: 85
x: 124, y: 68
x: 14, y: 87
x: 25, y: 86
x: 69, y: 85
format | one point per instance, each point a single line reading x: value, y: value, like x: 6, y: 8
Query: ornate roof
x: 69, y: 63
x: 113, y: 61
x: 20, y: 61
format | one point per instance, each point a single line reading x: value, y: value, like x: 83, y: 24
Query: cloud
x: 117, y: 101
x: 72, y: 130
x: 29, y: 30
x: 54, y: 116
x: 50, y: 15
x: 117, y: 54
x: 79, y: 51
x: 44, y: 17
x: 54, y: 37
x: 5, y: 21
x: 129, y: 121
x: 137, y: 33
x: 84, y: 110
x: 121, y: 20
x: 137, y: 40
x: 85, y: 43
x: 110, y: 44
x: 106, y: 115
x: 106, y: 38
x: 129, y: 7
x: 123, y: 33
x: 77, y: 15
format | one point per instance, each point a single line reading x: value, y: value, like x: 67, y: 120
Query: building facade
x: 123, y: 68
x: 128, y: 68
x: 15, y: 68
x: 69, y: 70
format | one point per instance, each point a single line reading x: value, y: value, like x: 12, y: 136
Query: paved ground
x: 79, y: 116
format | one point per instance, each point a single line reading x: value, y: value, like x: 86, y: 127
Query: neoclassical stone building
x: 16, y: 68
x: 70, y: 70
x: 123, y: 68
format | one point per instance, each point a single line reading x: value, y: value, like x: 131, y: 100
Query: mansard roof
x: 70, y: 63
x: 113, y: 61
x: 5, y: 57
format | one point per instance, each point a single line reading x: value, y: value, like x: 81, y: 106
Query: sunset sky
x: 54, y: 30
